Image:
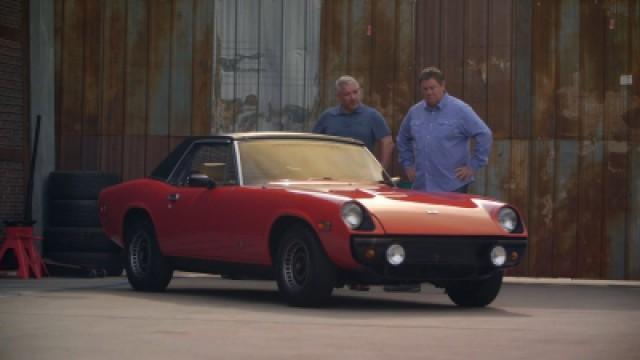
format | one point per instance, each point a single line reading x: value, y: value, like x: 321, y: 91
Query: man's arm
x: 386, y: 152
x: 382, y: 134
x: 476, y: 128
x: 404, y: 141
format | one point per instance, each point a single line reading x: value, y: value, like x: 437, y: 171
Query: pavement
x: 206, y: 317
x: 570, y: 282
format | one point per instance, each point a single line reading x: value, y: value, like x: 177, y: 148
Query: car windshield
x: 270, y: 160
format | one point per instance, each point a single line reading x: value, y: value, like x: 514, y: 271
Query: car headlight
x: 352, y: 215
x: 508, y: 219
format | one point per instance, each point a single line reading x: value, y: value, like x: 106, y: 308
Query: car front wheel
x: 147, y: 268
x: 306, y: 276
x: 475, y: 293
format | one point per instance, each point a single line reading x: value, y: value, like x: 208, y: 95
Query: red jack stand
x: 20, y: 238
x: 19, y: 234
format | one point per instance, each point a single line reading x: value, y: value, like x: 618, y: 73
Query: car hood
x: 409, y: 212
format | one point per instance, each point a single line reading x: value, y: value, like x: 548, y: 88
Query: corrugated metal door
x: 374, y: 42
x: 135, y: 77
x: 559, y: 84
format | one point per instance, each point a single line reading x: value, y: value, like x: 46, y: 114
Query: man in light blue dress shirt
x: 433, y: 141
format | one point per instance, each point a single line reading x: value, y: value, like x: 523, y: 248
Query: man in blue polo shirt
x: 353, y: 119
x: 433, y: 141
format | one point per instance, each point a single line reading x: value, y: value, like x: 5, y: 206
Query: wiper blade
x: 327, y: 178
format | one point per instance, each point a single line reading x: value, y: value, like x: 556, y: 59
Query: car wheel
x: 476, y: 293
x: 306, y: 276
x: 147, y: 268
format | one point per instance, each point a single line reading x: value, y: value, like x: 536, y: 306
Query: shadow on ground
x: 263, y: 296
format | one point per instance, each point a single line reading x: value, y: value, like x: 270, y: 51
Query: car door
x: 199, y: 225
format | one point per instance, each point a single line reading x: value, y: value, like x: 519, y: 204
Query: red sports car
x: 314, y: 212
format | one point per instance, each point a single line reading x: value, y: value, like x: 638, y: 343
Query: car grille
x: 433, y: 258
x: 435, y: 250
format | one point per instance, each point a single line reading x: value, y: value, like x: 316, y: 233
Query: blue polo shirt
x: 364, y: 124
x: 436, y: 141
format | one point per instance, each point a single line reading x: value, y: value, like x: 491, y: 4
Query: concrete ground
x: 207, y: 317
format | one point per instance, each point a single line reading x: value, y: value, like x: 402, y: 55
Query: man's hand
x: 386, y: 151
x: 411, y: 173
x: 464, y: 172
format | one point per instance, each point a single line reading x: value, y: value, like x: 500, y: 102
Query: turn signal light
x: 370, y: 253
x: 324, y: 226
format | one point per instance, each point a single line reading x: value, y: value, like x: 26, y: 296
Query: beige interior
x: 214, y: 171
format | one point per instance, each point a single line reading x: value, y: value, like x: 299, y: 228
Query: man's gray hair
x: 345, y: 80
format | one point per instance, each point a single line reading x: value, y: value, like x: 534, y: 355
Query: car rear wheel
x: 147, y: 268
x: 476, y: 293
x: 306, y: 276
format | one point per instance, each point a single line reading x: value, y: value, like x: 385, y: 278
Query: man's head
x: 348, y: 93
x: 432, y: 85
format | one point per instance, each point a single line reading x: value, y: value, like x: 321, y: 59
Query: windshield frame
x: 242, y: 160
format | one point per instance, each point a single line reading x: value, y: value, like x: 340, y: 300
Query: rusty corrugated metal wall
x: 374, y: 42
x: 549, y: 77
x: 136, y: 76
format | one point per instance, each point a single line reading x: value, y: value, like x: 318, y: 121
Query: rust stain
x: 592, y: 105
x: 588, y: 147
x: 520, y: 161
x: 541, y: 103
x: 617, y: 156
x: 336, y: 37
x: 384, y: 100
x: 480, y: 67
x: 618, y: 147
x: 503, y: 64
x: 547, y: 210
x: 569, y: 98
x: 632, y: 116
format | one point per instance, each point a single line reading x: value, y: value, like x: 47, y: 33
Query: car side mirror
x: 200, y: 180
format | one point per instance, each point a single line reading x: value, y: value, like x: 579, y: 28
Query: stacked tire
x: 73, y: 237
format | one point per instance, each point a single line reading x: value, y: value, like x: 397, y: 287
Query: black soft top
x: 164, y: 169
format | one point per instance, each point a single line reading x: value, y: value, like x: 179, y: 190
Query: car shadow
x: 343, y: 303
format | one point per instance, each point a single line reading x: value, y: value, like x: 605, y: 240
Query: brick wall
x: 11, y: 190
x: 14, y: 65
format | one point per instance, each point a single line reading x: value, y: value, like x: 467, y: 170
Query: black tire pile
x: 73, y: 237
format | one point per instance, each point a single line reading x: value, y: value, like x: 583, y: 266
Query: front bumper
x: 430, y: 258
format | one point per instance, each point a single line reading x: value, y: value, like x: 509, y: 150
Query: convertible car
x: 313, y: 212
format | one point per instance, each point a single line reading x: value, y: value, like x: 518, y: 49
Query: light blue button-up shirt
x: 436, y: 141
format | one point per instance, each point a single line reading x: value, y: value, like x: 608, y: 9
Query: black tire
x: 306, y: 276
x: 147, y: 268
x: 476, y: 293
x: 73, y: 213
x: 79, y: 185
x: 78, y: 239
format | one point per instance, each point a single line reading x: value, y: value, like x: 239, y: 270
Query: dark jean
x: 462, y: 189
